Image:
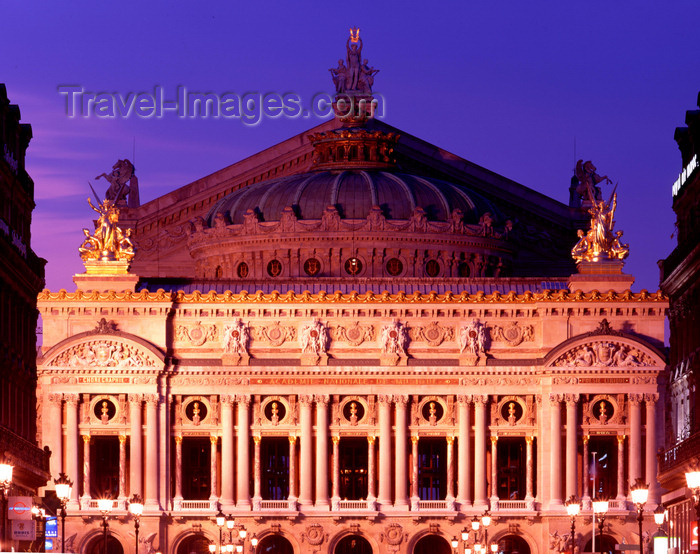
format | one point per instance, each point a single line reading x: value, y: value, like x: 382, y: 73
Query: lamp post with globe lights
x: 253, y: 543
x: 136, y: 509
x: 573, y: 507
x: 5, y: 484
x: 692, y: 479
x: 220, y: 522
x: 455, y: 544
x: 640, y: 494
x: 63, y: 489
x: 105, y: 506
x: 486, y: 521
x: 600, y: 508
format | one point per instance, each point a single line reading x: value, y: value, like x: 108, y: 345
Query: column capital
x: 306, y: 400
x: 586, y: 438
x: 636, y: 399
x: 571, y: 399
x: 494, y: 439
x: 227, y: 400
x: 152, y: 399
x: 529, y: 440
x: 178, y: 439
x: 621, y: 439
x: 243, y: 400
x: 322, y: 399
x: 135, y: 398
x: 86, y: 438
x: 122, y: 439
x: 384, y: 399
x: 481, y: 399
x: 292, y: 439
x: 257, y: 439
x: 555, y: 399
x: 56, y: 398
x: 651, y: 398
x: 335, y: 439
x: 414, y: 439
x: 71, y: 399
x: 371, y: 439
x: 401, y: 400
x: 213, y: 439
x: 450, y: 440
x: 464, y: 399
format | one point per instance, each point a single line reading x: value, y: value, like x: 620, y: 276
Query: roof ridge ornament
x: 354, y: 103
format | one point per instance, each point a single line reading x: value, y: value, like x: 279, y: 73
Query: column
x: 571, y: 434
x: 480, y: 502
x: 213, y: 439
x: 56, y: 443
x: 72, y: 446
x: 620, y: 468
x: 450, y: 470
x: 400, y: 431
x: 371, y: 471
x: 586, y: 477
x: 178, y: 468
x: 384, y: 450
x: 529, y: 470
x: 257, y: 469
x: 494, y: 471
x: 555, y: 500
x: 306, y: 451
x: 243, y: 457
x: 292, y: 469
x: 651, y: 447
x: 463, y: 454
x: 336, y: 473
x: 414, y: 472
x: 227, y: 453
x: 635, y: 444
x: 86, y: 472
x: 322, y: 452
x: 151, y: 482
x: 136, y: 450
x: 122, y: 469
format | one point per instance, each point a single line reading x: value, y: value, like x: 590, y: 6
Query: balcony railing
x: 196, y: 505
x: 352, y: 505
x: 274, y: 504
x: 94, y: 506
x: 512, y: 504
x: 432, y: 505
x: 683, y: 452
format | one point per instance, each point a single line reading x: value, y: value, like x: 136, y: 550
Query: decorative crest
x: 600, y: 243
x: 108, y: 243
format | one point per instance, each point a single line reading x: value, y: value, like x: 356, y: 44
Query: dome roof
x: 354, y: 193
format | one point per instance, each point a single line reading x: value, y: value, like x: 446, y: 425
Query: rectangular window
x: 353, y: 468
x: 603, y: 474
x: 274, y: 462
x: 104, y: 467
x: 196, y: 468
x: 511, y: 462
x: 432, y: 469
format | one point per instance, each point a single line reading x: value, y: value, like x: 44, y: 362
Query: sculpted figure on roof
x: 108, y: 242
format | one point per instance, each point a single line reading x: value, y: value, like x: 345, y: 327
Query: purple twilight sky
x: 523, y: 89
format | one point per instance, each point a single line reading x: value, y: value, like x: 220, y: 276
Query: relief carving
x: 355, y: 334
x: 513, y: 333
x: 433, y: 333
x: 604, y: 353
x: 276, y: 334
x: 236, y: 336
x: 196, y: 334
x: 102, y: 353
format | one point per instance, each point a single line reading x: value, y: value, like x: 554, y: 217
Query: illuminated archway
x: 194, y: 544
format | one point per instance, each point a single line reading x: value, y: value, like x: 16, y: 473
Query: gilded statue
x: 600, y: 242
x: 354, y: 74
x: 108, y: 242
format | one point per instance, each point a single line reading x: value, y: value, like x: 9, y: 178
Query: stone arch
x: 429, y: 543
x: 279, y: 542
x: 515, y: 543
x: 184, y: 537
x: 92, y: 542
x: 346, y: 534
x: 68, y: 351
x: 609, y: 543
x: 648, y: 355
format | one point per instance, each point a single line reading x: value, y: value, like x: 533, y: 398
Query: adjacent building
x: 353, y: 342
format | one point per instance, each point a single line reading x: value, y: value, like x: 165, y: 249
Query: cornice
x: 228, y: 297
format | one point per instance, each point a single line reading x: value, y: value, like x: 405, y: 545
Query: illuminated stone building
x: 352, y: 342
x: 21, y: 279
x: 680, y: 276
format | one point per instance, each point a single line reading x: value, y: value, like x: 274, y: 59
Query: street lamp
x: 253, y: 543
x: 640, y: 493
x: 220, y: 521
x: 136, y: 509
x: 494, y: 548
x: 105, y: 506
x: 230, y: 524
x: 573, y: 507
x: 465, y: 535
x: 5, y: 483
x: 660, y: 537
x: 692, y: 479
x: 63, y: 489
x: 486, y: 521
x: 212, y: 547
x: 455, y: 543
x: 600, y: 508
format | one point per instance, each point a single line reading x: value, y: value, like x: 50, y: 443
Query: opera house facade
x: 353, y: 342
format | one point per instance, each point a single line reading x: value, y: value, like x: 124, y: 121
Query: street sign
x: 23, y: 530
x: 52, y: 527
x: 48, y: 545
x: 19, y: 507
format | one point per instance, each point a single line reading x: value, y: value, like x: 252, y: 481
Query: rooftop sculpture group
x: 108, y: 242
x: 357, y: 75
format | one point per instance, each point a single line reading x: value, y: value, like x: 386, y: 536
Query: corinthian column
x: 85, y: 499
x: 306, y: 452
x: 401, y: 454
x: 178, y: 469
x: 136, y: 445
x: 415, y: 499
x: 555, y: 500
x: 450, y: 496
x: 494, y: 471
x: 336, y: 473
x: 571, y: 435
x: 620, y: 468
x: 384, y: 450
x: 151, y: 501
x: 56, y: 425
x: 227, y: 453
x: 463, y: 454
x: 122, y: 469
x: 257, y: 496
x: 586, y: 497
x: 635, y: 445
x: 322, y: 452
x: 212, y: 467
x: 292, y: 469
x: 480, y: 501
x: 530, y: 470
x: 72, y: 446
x: 651, y: 447
x: 243, y: 467
x: 371, y: 471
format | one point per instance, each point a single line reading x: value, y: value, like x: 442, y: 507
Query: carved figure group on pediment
x: 604, y: 353
x: 102, y: 354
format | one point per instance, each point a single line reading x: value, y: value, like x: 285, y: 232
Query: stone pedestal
x: 106, y: 275
x: 603, y: 275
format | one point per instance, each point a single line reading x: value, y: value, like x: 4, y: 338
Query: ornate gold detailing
x: 108, y: 243
x: 600, y: 243
x: 354, y: 297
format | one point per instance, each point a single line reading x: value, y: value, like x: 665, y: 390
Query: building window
x: 353, y: 468
x: 353, y: 544
x: 104, y: 464
x: 274, y: 268
x: 219, y: 272
x: 432, y: 469
x: 394, y: 267
x: 511, y: 460
x: 432, y: 268
x: 603, y: 473
x: 274, y: 461
x: 196, y: 468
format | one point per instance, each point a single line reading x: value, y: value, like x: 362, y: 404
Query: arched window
x: 513, y: 544
x: 274, y: 544
x: 353, y: 544
x: 432, y: 544
x: 194, y: 544
x: 96, y: 545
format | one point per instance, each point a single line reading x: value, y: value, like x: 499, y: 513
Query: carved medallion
x: 196, y: 334
x: 355, y: 334
x: 276, y: 334
x: 434, y: 334
x: 512, y: 333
